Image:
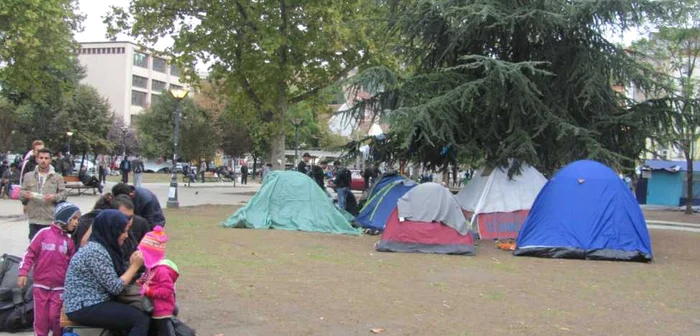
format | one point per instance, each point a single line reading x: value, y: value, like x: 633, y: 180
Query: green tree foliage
x: 269, y: 55
x: 198, y: 133
x: 37, y: 46
x: 506, y: 79
x: 122, y: 138
x: 674, y: 51
x: 88, y: 116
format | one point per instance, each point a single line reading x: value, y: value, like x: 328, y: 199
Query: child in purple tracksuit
x: 49, y: 253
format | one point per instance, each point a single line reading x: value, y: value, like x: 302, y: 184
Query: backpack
x: 16, y: 304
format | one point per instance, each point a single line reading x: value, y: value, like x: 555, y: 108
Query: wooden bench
x: 211, y: 176
x: 69, y: 325
x: 76, y: 187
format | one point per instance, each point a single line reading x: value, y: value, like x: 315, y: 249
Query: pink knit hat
x: 153, y: 246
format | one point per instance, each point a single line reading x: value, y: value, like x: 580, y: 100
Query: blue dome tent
x: 585, y: 212
x: 382, y: 199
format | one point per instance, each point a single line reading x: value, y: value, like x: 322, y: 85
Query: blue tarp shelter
x: 666, y: 183
x: 382, y: 199
x: 585, y: 212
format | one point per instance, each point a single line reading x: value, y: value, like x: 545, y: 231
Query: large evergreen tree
x: 512, y: 79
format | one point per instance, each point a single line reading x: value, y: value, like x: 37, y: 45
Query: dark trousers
x: 113, y: 316
x: 125, y: 176
x: 164, y: 327
x: 244, y: 178
x: 34, y: 229
x: 101, y: 175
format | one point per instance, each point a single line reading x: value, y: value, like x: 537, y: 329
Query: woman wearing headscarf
x: 97, y: 274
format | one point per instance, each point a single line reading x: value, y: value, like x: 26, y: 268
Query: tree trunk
x: 689, y: 185
x: 255, y: 165
x: 277, y: 143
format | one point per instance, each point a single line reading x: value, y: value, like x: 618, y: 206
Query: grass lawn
x: 147, y: 178
x: 270, y: 282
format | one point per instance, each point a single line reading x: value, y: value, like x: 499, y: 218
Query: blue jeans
x: 341, y: 197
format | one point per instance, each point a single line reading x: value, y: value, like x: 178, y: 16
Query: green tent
x: 290, y: 200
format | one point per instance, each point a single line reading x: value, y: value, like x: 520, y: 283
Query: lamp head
x: 179, y: 94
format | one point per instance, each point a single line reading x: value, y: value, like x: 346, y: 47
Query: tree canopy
x: 505, y: 79
x: 269, y: 55
x: 29, y: 31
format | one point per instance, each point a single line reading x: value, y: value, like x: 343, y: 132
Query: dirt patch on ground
x: 268, y: 282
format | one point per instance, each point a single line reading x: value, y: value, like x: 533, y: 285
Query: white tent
x: 492, y: 192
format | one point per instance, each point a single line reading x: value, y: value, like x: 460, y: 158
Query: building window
x: 157, y: 86
x: 141, y: 59
x: 138, y: 98
x: 174, y: 71
x: 154, y: 98
x: 175, y: 87
x: 158, y: 64
x: 139, y: 81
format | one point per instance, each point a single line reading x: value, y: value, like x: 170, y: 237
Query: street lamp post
x: 179, y: 95
x: 296, y: 122
x: 69, y: 134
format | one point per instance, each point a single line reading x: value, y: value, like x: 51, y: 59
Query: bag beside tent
x: 585, y: 212
x: 497, y: 205
x: 427, y: 219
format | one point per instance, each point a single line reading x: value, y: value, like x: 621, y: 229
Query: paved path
x: 15, y: 230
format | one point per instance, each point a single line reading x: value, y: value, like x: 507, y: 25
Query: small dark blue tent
x: 382, y: 199
x: 585, y: 212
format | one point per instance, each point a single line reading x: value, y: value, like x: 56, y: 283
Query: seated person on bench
x: 97, y: 273
x: 89, y: 180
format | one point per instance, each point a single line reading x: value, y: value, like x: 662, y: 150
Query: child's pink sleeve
x: 30, y: 256
x: 71, y: 248
x: 161, y: 285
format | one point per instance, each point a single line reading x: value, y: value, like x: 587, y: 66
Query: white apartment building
x: 129, y: 76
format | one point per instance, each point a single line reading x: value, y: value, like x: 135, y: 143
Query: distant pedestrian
x: 137, y: 165
x: 10, y: 179
x: 244, y: 174
x: 303, y: 166
x: 102, y: 171
x: 125, y: 168
x: 342, y: 181
x: 266, y: 170
x: 63, y: 165
x: 318, y: 173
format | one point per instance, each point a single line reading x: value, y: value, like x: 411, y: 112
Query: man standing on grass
x: 342, y: 183
x: 42, y: 189
x: 244, y: 174
x: 125, y: 168
x: 138, y: 167
x: 303, y: 166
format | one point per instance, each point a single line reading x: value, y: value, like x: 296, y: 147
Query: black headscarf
x: 106, y: 229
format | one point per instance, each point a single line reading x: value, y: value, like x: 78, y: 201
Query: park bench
x: 68, y: 325
x: 76, y: 187
x: 211, y: 176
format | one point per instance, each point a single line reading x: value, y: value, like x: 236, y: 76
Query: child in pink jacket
x: 158, y: 284
x: 49, y: 254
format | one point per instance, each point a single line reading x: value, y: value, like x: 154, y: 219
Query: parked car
x: 357, y: 182
x: 157, y: 166
x: 90, y: 166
